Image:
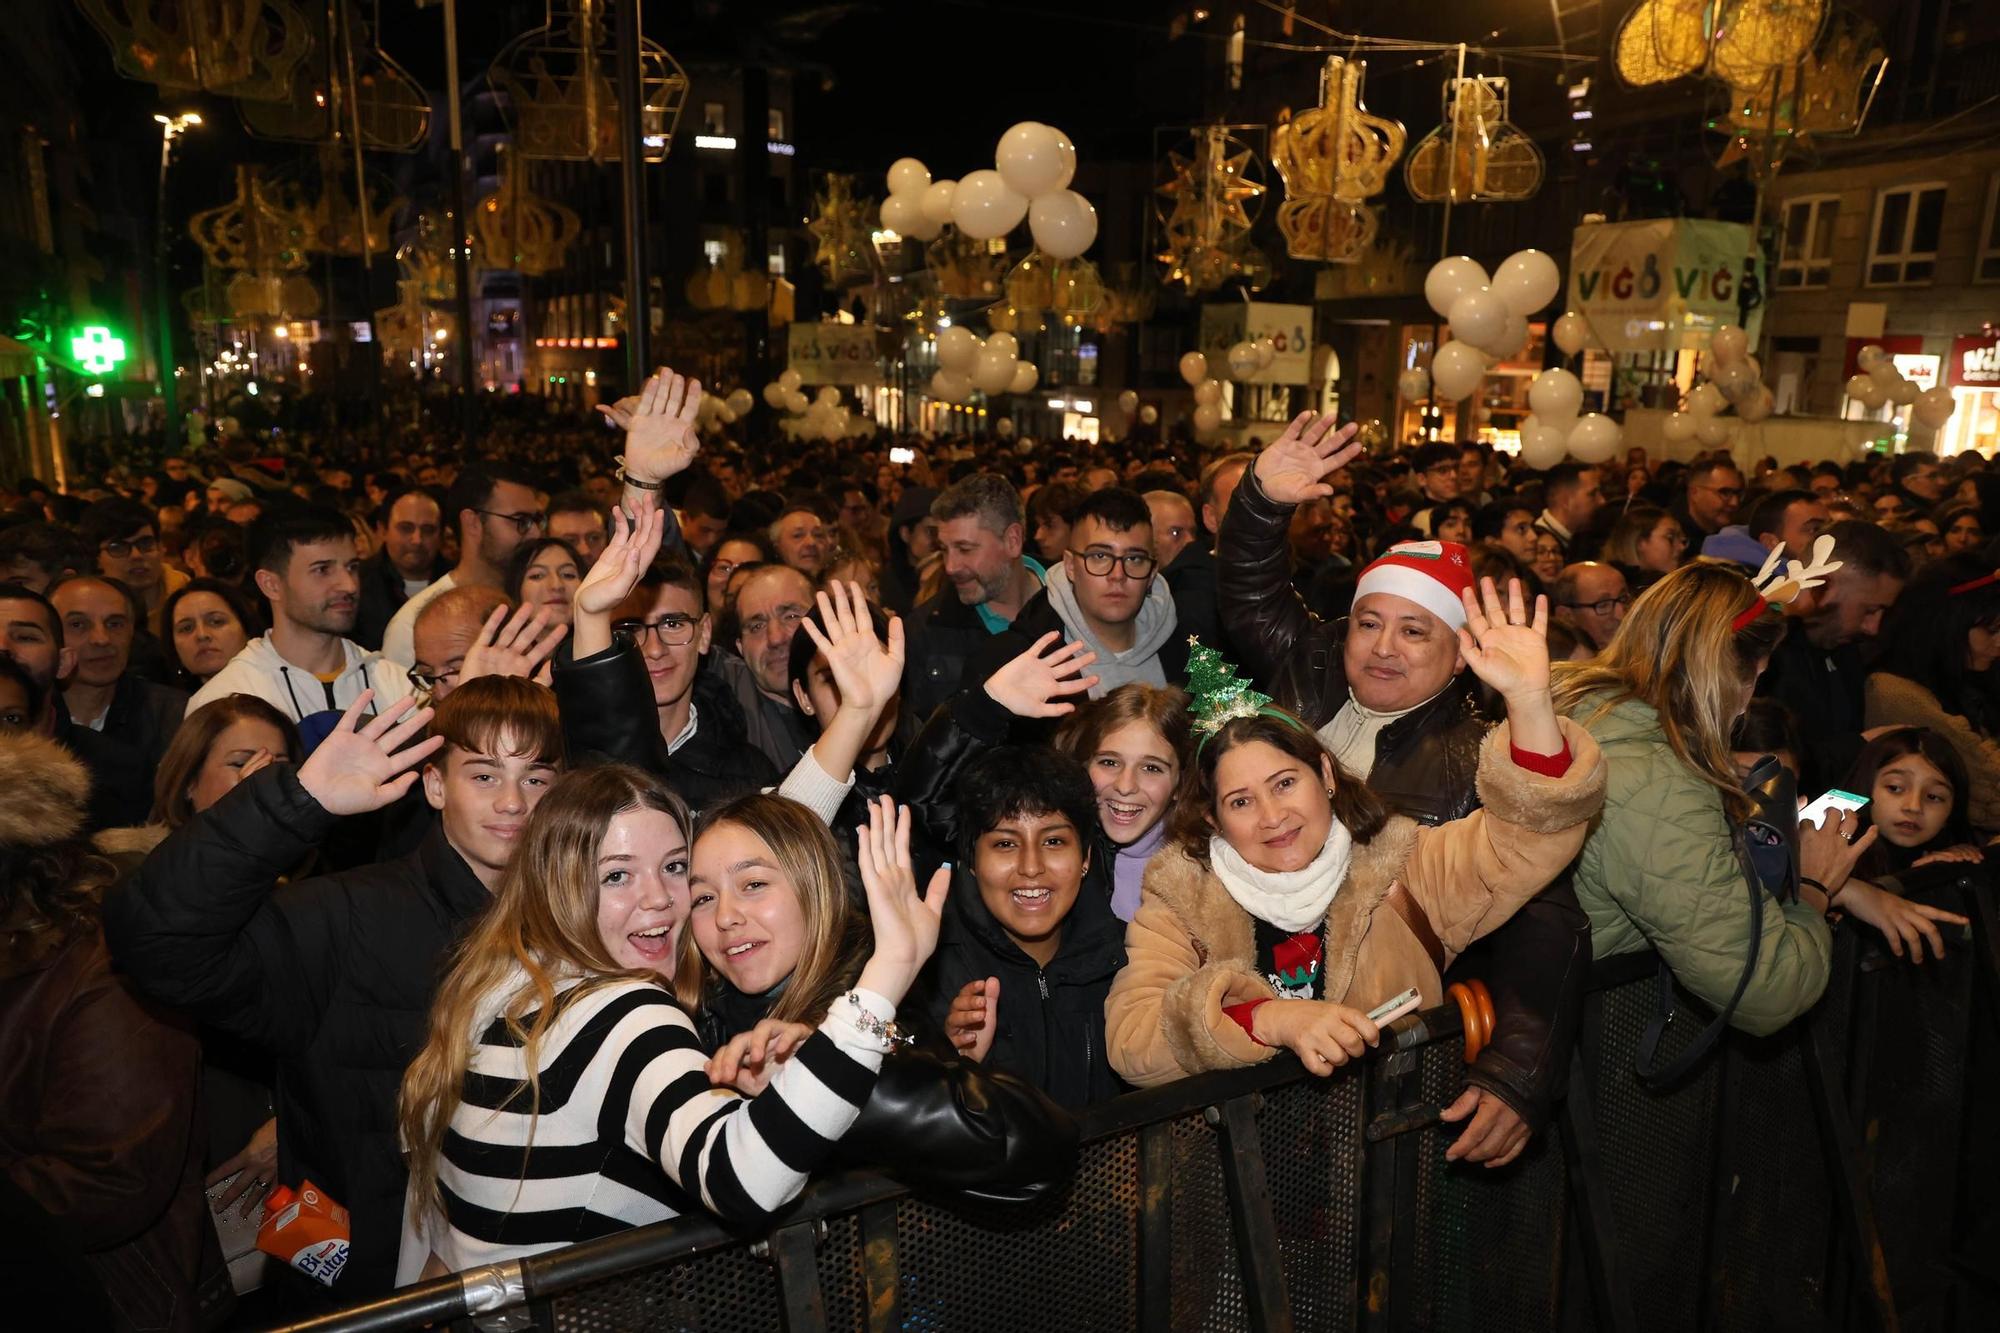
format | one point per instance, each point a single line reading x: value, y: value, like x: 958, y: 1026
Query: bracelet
x: 879, y: 1029
x: 634, y: 482
x: 1829, y: 896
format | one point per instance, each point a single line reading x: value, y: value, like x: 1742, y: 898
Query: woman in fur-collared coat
x: 1291, y: 903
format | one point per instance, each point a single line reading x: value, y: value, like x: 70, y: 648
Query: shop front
x: 1972, y: 373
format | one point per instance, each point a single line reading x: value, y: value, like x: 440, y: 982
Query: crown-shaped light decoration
x: 255, y: 230
x: 559, y: 89
x: 1475, y: 153
x: 383, y: 102
x: 246, y: 48
x: 1333, y: 158
x: 520, y: 230
x: 1826, y: 90
x: 1220, y: 695
x: 1780, y: 581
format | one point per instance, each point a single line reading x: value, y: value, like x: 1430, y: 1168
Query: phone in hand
x: 1394, y: 1007
x: 901, y: 455
x: 1814, y: 812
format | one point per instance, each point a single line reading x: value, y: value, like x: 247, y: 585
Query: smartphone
x: 1394, y: 1007
x: 1836, y: 799
x: 897, y: 455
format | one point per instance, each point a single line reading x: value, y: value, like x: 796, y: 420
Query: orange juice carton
x: 305, y: 1229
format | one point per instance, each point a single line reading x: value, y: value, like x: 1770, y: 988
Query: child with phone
x: 1916, y: 788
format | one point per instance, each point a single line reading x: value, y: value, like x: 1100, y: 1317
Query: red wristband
x: 1548, y: 765
x: 1244, y: 1016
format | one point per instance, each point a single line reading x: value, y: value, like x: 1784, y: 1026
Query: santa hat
x: 1431, y: 574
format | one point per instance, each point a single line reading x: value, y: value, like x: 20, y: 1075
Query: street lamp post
x: 171, y: 128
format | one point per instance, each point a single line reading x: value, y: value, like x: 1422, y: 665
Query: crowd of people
x: 606, y: 824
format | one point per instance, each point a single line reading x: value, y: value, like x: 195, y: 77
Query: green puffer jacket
x: 1660, y: 870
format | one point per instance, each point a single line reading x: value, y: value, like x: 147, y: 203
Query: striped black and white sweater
x: 630, y: 1131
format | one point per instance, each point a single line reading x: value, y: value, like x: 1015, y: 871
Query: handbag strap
x: 1661, y: 1076
x: 1403, y: 905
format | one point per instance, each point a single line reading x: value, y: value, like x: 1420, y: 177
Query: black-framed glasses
x: 524, y: 523
x: 118, y: 548
x: 1138, y: 564
x: 1604, y: 606
x: 673, y: 631
x: 426, y: 682
x: 789, y: 616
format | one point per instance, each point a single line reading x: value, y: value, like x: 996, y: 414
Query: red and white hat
x: 1431, y: 574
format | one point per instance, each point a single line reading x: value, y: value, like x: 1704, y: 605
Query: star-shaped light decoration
x: 840, y: 223
x: 1210, y: 203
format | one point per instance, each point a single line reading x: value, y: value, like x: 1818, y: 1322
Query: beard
x: 330, y: 618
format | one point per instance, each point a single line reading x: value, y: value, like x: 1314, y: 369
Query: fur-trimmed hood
x: 46, y: 792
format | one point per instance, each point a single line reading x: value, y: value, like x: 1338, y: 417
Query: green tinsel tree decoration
x: 1220, y: 695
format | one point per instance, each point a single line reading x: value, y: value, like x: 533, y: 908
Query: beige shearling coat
x: 1191, y: 950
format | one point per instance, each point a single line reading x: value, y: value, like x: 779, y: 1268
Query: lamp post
x: 171, y: 128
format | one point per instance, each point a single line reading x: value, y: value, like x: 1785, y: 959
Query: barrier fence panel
x: 1747, y: 1197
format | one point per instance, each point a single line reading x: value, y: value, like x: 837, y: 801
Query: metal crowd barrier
x: 1827, y: 1177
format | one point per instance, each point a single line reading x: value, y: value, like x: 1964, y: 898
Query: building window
x: 1806, y: 256
x: 714, y: 118
x: 1986, y: 268
x: 1903, y: 248
x: 775, y: 124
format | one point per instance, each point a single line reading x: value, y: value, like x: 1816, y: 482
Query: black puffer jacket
x: 334, y: 975
x: 1537, y: 964
x: 608, y: 715
x: 944, y: 636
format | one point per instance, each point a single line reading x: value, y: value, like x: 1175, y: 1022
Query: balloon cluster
x: 1552, y: 427
x: 723, y: 409
x: 787, y: 393
x: 1245, y: 358
x: 1880, y: 382
x: 1488, y: 316
x: 1030, y: 177
x: 992, y: 365
x: 1734, y: 378
x: 825, y: 417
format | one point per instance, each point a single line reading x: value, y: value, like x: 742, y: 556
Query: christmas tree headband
x: 1221, y: 696
x: 1779, y: 581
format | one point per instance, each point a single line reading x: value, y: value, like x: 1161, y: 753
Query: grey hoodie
x: 296, y: 692
x: 1139, y: 663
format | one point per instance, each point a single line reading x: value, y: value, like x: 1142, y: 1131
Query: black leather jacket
x: 1537, y: 965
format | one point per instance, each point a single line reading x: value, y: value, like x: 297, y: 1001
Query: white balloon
x: 1207, y: 417
x: 1904, y: 392
x: 1758, y: 404
x: 791, y: 380
x: 1004, y: 427
x: 1035, y: 159
x: 1477, y: 318
x: 1414, y: 383
x: 1542, y: 446
x: 726, y: 414
x: 1267, y: 352
x: 1756, y: 367
x: 1026, y: 375
x: 1513, y: 336
x: 1730, y: 344
x: 1194, y: 367
x: 984, y: 206
x: 828, y: 394
x: 1594, y: 438
x: 774, y: 394
x: 901, y: 213
x: 937, y: 199
x: 994, y: 370
x: 1149, y: 414
x: 957, y: 348
x: 1884, y: 373
x: 1570, y: 333
x: 1527, y: 281
x: 951, y: 385
x: 796, y: 402
x: 1714, y: 431
x: 1934, y: 407
x: 1208, y: 391
x: 1243, y: 362
x: 1680, y: 427
x: 1063, y: 222
x: 1870, y: 357
x: 1706, y: 400
x: 1556, y: 395
x: 1128, y: 402
x: 908, y: 177
x: 922, y: 228
x: 1735, y: 379
x: 1866, y: 390
x: 1006, y: 342
x: 1456, y: 370
x: 1450, y: 279
x: 740, y: 401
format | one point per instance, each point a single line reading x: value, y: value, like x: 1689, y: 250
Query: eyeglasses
x: 426, y: 682
x: 120, y: 548
x: 1604, y: 607
x: 789, y: 616
x: 1098, y: 563
x: 1439, y: 469
x: 675, y: 631
x: 524, y: 523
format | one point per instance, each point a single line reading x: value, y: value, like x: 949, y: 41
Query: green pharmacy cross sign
x: 96, y: 350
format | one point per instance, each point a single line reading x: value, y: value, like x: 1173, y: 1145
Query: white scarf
x: 1291, y: 900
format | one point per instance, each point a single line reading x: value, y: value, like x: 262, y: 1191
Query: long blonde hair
x: 804, y: 851
x: 543, y: 922
x: 1678, y: 652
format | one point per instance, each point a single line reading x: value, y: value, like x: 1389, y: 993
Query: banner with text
x: 1660, y: 285
x: 832, y: 353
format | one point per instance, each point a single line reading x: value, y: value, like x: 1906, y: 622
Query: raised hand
x: 1293, y: 468
x: 361, y: 768
x: 1829, y: 849
x: 867, y: 672
x: 633, y: 546
x: 906, y: 926
x: 516, y: 648
x: 1036, y: 683
x: 974, y: 1017
x: 660, y: 438
x: 747, y: 1061
x: 1510, y: 652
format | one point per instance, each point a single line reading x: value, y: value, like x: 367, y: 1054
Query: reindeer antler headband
x: 1781, y: 580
